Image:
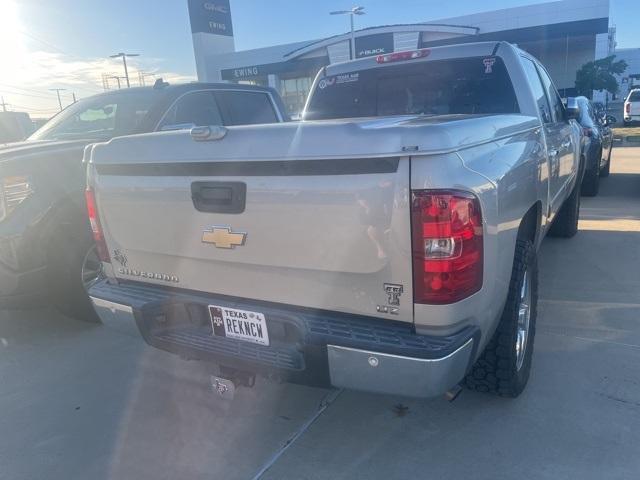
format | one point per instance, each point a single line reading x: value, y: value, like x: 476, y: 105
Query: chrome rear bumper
x: 319, y: 348
x: 395, y: 374
x: 115, y: 315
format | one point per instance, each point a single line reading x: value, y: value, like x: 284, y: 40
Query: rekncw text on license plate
x: 239, y: 324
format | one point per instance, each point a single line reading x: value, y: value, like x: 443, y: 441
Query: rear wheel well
x: 530, y: 223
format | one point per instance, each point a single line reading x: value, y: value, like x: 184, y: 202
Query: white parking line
x: 591, y: 340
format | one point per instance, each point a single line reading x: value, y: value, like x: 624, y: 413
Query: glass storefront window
x: 294, y: 93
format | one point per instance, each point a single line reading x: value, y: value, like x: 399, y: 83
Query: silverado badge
x: 223, y: 237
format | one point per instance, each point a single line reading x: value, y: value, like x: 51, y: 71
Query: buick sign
x: 370, y: 45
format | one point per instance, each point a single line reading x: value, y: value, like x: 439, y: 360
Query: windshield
x: 461, y: 86
x: 100, y: 117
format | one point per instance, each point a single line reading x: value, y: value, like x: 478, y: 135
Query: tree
x: 599, y: 75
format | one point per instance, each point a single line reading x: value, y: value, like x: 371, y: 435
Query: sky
x: 48, y: 44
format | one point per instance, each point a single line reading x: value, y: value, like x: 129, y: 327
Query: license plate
x: 239, y: 324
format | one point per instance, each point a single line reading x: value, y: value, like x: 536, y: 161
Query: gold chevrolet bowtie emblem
x: 222, y: 237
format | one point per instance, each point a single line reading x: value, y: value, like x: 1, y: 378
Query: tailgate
x: 330, y: 234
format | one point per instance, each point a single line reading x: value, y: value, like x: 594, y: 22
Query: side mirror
x: 610, y: 120
x: 572, y: 109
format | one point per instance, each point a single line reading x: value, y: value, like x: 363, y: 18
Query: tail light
x: 587, y: 132
x: 627, y: 108
x: 447, y: 245
x: 399, y: 56
x: 96, y: 228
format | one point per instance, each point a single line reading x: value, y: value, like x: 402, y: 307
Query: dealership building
x: 563, y: 35
x: 631, y: 76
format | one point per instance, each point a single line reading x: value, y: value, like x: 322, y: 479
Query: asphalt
x: 83, y: 401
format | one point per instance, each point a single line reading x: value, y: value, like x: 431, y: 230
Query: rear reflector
x: 447, y: 245
x: 400, y: 56
x: 96, y: 228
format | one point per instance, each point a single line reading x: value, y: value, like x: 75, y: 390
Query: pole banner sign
x: 211, y: 16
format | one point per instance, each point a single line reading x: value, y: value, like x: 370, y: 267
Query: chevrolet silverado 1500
x: 386, y: 243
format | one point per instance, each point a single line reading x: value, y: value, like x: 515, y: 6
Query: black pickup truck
x: 46, y: 243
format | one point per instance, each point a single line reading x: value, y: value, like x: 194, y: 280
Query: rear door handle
x: 219, y: 197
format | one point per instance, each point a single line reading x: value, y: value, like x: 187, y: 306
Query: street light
x: 124, y: 61
x: 351, y: 13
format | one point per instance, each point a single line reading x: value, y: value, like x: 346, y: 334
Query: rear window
x: 194, y: 108
x: 246, y: 108
x: 479, y: 85
x: 634, y: 96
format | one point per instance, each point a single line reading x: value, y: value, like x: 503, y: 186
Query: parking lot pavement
x: 83, y: 401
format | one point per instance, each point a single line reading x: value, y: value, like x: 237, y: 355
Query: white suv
x: 632, y: 107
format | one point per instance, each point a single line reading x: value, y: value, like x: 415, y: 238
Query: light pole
x: 351, y: 13
x: 117, y: 80
x: 58, y: 90
x: 142, y: 76
x: 124, y: 62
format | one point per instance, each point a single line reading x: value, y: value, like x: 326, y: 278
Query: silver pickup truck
x: 386, y: 243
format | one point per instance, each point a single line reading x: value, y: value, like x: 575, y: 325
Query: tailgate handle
x: 219, y: 197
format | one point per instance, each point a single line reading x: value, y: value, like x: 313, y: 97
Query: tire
x: 67, y: 262
x: 565, y: 225
x: 591, y: 181
x: 607, y: 168
x: 505, y: 365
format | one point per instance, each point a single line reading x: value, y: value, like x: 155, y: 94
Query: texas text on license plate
x: 239, y: 324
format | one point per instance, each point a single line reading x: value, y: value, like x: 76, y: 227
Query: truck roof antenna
x: 160, y: 84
